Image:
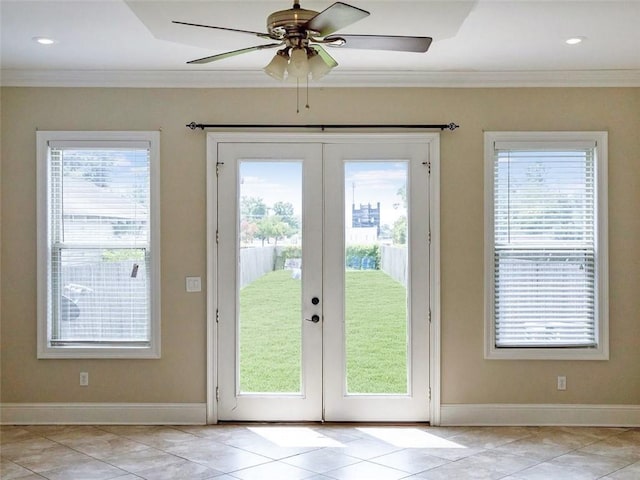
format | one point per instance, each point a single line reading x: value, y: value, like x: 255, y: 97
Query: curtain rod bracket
x: 193, y: 125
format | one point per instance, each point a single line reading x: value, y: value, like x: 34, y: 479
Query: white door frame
x: 433, y: 141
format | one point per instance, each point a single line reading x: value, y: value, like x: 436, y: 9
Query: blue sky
x: 374, y: 182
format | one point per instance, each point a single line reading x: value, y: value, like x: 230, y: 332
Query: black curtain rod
x: 202, y: 126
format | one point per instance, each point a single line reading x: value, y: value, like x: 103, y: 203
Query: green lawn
x: 270, y: 328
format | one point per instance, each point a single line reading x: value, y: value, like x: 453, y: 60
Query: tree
x: 96, y: 169
x: 386, y: 232
x: 400, y: 231
x: 402, y: 193
x: 400, y: 225
x: 272, y: 227
x: 247, y: 231
x: 252, y: 208
x: 284, y: 210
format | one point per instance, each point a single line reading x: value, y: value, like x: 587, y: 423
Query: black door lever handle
x: 314, y: 319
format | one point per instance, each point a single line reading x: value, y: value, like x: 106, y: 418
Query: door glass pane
x: 376, y: 277
x: 269, y: 277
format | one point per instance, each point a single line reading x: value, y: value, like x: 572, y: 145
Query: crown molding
x: 257, y: 79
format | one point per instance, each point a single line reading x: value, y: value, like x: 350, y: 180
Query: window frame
x: 559, y: 139
x: 44, y: 259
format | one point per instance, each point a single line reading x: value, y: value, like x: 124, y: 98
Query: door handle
x: 314, y: 319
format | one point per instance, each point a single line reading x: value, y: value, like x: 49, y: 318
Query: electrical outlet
x: 562, y: 382
x: 84, y: 379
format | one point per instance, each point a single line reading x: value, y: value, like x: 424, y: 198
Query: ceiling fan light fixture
x: 318, y: 67
x: 278, y: 65
x: 298, y: 64
x: 302, y: 35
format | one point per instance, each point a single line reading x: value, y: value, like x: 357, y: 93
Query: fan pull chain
x: 298, y: 94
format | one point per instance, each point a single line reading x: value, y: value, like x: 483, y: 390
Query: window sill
x: 93, y: 352
x: 600, y: 353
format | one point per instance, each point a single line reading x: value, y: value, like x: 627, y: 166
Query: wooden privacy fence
x: 393, y: 261
x: 256, y: 262
x: 111, y: 304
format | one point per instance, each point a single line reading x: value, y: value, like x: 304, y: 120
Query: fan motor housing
x: 284, y: 23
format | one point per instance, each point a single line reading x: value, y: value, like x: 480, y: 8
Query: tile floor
x: 315, y: 452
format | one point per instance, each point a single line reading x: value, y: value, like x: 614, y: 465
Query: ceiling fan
x: 303, y: 33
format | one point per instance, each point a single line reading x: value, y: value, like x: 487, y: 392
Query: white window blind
x: 98, y: 244
x: 545, y: 245
x: 99, y: 216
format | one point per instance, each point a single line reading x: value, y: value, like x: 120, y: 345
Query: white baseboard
x: 195, y: 414
x: 103, y: 413
x: 540, y: 414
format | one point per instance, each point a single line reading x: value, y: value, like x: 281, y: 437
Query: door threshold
x: 326, y: 423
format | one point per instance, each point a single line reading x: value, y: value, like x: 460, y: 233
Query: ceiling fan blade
x: 380, y: 42
x: 222, y: 56
x: 328, y: 59
x: 335, y: 17
x: 257, y: 34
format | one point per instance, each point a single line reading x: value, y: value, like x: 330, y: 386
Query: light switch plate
x: 193, y: 284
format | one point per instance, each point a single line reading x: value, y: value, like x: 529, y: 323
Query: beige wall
x: 180, y: 375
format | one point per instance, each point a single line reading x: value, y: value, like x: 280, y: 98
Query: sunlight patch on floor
x: 409, y: 437
x: 295, y: 437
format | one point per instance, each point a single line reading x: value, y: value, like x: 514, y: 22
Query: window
x: 98, y: 239
x: 546, y: 245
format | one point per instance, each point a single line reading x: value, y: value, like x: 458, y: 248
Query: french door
x: 322, y: 278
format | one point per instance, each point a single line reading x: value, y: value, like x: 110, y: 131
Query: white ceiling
x: 476, y: 43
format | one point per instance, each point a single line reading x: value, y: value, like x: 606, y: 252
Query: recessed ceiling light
x: 44, y: 40
x: 574, y: 40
